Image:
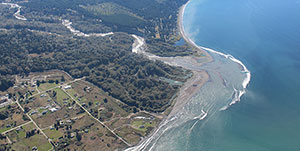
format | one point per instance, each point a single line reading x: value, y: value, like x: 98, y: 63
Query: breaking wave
x: 246, y: 81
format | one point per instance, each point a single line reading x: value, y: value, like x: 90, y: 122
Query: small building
x: 72, y: 134
x: 68, y: 121
x: 43, y: 95
x: 53, y: 110
x: 67, y: 87
x: 142, y: 126
x: 33, y: 112
x: 3, y: 100
x: 44, y: 112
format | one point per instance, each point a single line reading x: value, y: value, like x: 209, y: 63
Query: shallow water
x: 265, y: 36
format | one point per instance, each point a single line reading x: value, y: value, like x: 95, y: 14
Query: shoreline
x: 190, y: 87
x: 204, y: 50
x: 189, y: 41
x: 199, y: 78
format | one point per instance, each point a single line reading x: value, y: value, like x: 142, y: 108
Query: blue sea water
x: 265, y: 36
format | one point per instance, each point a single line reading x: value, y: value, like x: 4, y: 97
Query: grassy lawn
x: 14, y: 117
x: 129, y: 134
x: 117, y: 108
x: 20, y: 142
x: 46, y: 86
x: 138, y: 123
x: 3, y: 109
x: 61, y: 96
x: 53, y: 134
x: 4, y: 129
x: 37, y: 140
x: 72, y: 92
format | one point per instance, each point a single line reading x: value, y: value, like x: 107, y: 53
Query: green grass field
x: 4, y: 129
x: 72, y: 92
x: 46, y: 86
x: 53, y: 134
x: 61, y: 96
x: 138, y: 123
x: 20, y: 142
x: 37, y: 140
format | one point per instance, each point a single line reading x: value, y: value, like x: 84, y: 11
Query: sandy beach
x: 184, y: 36
x: 191, y: 87
x: 199, y: 78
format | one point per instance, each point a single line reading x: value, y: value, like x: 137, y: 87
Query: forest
x: 112, y: 66
x: 42, y: 43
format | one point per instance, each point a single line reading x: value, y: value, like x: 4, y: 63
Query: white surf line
x: 68, y: 24
x: 147, y: 141
x: 202, y: 115
x: 16, y: 14
x: 228, y: 56
x: 245, y: 83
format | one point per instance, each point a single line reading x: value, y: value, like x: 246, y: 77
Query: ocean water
x: 265, y: 36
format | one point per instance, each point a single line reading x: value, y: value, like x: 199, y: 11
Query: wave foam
x: 201, y: 116
x: 245, y: 82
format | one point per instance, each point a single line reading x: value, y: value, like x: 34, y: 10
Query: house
x: 53, y: 109
x: 43, y: 95
x: 3, y: 100
x: 67, y: 87
x: 18, y: 129
x: 34, y: 148
x: 68, y: 121
x: 142, y: 126
x: 44, y: 112
x: 33, y: 112
x: 72, y: 134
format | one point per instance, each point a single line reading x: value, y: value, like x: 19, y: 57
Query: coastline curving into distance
x: 238, y: 93
x: 138, y: 47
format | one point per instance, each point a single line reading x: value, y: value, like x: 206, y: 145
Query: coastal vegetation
x: 80, y: 90
x: 128, y: 77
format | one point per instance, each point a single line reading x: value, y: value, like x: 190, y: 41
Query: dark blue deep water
x: 265, y: 36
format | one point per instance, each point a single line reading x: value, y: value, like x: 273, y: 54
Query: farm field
x: 73, y: 115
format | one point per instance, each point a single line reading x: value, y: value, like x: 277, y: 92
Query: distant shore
x: 183, y: 34
x: 199, y: 78
x: 190, y: 88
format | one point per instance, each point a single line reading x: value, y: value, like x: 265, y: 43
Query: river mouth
x: 264, y: 36
x: 227, y: 79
